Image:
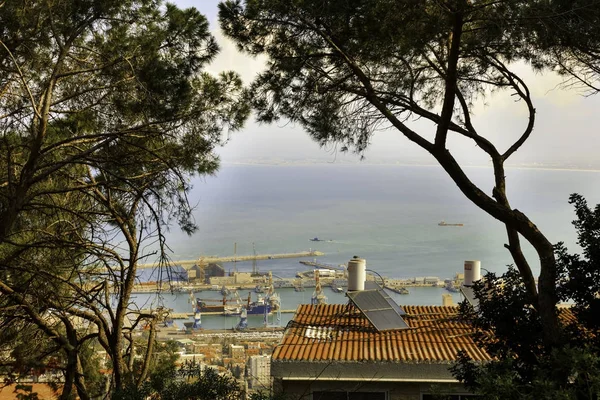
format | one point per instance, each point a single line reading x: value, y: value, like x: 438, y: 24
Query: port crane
x: 318, y: 296
x: 197, y: 314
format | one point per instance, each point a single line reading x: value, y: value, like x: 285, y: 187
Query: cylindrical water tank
x: 357, y: 274
x: 472, y: 272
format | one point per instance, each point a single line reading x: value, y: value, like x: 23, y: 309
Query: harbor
x: 182, y: 311
x: 405, y: 245
x: 219, y: 301
x: 213, y: 277
x: 304, y: 279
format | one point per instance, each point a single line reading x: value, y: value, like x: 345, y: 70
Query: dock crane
x: 197, y: 315
x: 318, y: 296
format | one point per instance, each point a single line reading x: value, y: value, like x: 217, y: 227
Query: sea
x: 386, y: 214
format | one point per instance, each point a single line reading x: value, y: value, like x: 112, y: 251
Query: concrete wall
x: 401, y: 381
x: 222, y: 280
x: 297, y: 390
x: 361, y: 371
x: 243, y: 277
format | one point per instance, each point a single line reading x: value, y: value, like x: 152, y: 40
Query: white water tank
x: 472, y: 272
x: 357, y: 274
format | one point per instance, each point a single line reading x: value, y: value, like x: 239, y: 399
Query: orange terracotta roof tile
x: 340, y: 332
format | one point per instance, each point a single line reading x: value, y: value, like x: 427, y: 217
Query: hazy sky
x: 565, y: 132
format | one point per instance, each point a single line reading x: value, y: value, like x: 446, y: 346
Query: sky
x: 565, y: 133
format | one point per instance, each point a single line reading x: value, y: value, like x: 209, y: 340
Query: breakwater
x: 234, y: 258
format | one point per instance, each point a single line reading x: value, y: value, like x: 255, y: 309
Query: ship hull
x: 207, y: 308
x: 258, y: 309
x: 204, y: 307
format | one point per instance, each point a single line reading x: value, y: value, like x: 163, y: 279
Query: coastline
x: 301, y: 163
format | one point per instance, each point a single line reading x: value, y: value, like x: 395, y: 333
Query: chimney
x: 356, y: 274
x: 472, y: 272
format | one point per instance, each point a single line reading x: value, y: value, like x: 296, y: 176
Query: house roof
x: 341, y: 332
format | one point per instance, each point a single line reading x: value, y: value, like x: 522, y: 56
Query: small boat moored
x: 398, y: 290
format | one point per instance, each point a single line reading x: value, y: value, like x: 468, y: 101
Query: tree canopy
x: 105, y: 112
x: 346, y: 69
x: 510, y: 329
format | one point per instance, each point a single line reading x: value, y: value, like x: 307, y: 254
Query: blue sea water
x: 387, y: 214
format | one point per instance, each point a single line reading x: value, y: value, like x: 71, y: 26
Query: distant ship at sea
x: 316, y: 239
x: 444, y: 223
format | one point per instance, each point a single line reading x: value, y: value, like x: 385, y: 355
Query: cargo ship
x: 234, y: 306
x: 213, y: 305
x: 259, y: 307
x: 316, y: 239
x: 444, y: 223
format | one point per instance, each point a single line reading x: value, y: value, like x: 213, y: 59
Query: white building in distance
x: 259, y: 372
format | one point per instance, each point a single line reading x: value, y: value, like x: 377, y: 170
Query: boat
x: 337, y: 289
x: 298, y: 285
x: 337, y: 285
x: 444, y: 223
x: 225, y: 291
x: 211, y: 305
x: 399, y: 290
x: 316, y: 239
x: 259, y: 307
x: 451, y: 288
x: 259, y: 289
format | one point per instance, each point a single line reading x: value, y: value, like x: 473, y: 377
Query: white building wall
x: 260, y: 372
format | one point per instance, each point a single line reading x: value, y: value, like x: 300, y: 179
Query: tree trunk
x: 117, y: 359
x: 80, y: 381
x: 514, y: 220
x: 148, y: 355
x: 547, y: 296
x: 70, y: 372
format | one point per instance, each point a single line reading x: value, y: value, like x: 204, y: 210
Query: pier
x: 304, y: 278
x: 208, y: 260
x: 316, y: 264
